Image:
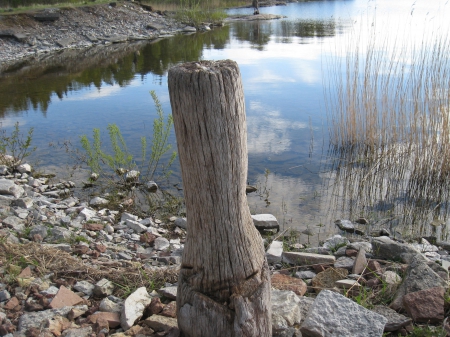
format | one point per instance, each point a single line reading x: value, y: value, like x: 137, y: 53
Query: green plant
x: 195, y: 13
x: 428, y: 331
x: 112, y: 167
x: 17, y: 145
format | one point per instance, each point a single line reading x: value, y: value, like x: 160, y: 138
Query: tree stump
x: 224, y: 281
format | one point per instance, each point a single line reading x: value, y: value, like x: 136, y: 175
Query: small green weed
x: 17, y: 145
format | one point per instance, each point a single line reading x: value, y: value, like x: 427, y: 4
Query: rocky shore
x: 32, y: 35
x: 74, y: 268
x: 51, y: 30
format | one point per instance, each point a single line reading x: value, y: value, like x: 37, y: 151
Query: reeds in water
x: 388, y: 104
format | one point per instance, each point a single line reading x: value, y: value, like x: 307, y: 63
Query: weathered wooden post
x: 224, y: 282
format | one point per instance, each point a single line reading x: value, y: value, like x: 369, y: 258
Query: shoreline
x: 36, y: 35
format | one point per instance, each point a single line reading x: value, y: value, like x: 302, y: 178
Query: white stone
x: 98, y: 201
x: 391, y: 277
x: 136, y: 226
x: 24, y: 168
x: 265, y: 221
x: 285, y: 310
x: 161, y: 243
x: 274, y: 252
x: 88, y: 213
x: 128, y: 216
x: 134, y: 307
x: 9, y: 188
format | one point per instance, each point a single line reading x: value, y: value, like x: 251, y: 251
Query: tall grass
x: 388, y: 105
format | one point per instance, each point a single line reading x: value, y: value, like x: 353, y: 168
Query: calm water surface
x: 285, y: 64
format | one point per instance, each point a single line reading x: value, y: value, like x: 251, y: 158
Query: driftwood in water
x: 224, y: 283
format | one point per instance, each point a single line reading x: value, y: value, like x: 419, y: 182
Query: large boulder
x: 419, y: 276
x: 389, y: 249
x: 334, y: 315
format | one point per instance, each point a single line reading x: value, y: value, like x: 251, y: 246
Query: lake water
x: 287, y: 68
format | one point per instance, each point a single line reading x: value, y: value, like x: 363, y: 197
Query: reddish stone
x: 65, y: 298
x: 147, y: 238
x: 94, y: 226
x: 36, y: 332
x: 155, y: 307
x: 25, y: 273
x: 100, y: 324
x: 6, y: 329
x: 113, y: 318
x: 81, y: 249
x: 37, y: 238
x: 320, y: 267
x: 373, y: 282
x: 12, y: 303
x: 373, y: 269
x: 426, y: 306
x: 94, y: 254
x: 100, y: 248
x: 360, y: 263
x: 285, y: 282
x: 170, y: 310
x: 351, y: 252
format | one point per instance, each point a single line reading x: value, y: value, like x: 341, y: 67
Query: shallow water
x: 286, y: 65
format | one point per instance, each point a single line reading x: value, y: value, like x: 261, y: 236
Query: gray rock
x: 39, y: 229
x: 334, y: 315
x: 107, y: 305
x: 60, y: 233
x: 85, y: 287
x: 189, y: 29
x: 151, y: 186
x: 387, y: 248
x: 304, y: 305
x: 124, y: 256
x: 133, y: 307
x: 128, y: 216
x: 181, y: 222
x: 419, y: 276
x: 367, y: 246
x: 117, y: 39
x: 344, y: 262
x: 285, y: 310
x: 136, y: 226
x: 24, y: 202
x: 169, y: 292
x: 161, y: 243
x: 297, y: 258
x: 15, y: 223
x: 103, y: 288
x: 64, y: 43
x: 77, y: 332
x: 265, y: 222
x: 306, y: 274
x: 4, y: 295
x: 395, y: 321
x: 335, y: 242
x: 34, y: 319
x: 274, y: 252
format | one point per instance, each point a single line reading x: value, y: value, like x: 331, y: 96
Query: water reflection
x: 32, y: 84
